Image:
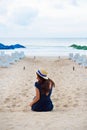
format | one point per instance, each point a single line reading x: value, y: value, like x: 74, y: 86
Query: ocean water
x: 46, y: 46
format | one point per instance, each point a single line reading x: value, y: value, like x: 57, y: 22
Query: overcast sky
x: 43, y: 18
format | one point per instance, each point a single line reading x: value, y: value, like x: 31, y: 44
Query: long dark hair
x: 45, y: 84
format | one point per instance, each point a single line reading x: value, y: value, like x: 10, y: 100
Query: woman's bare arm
x: 37, y: 97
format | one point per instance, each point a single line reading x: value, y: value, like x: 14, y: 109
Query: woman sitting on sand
x: 44, y: 86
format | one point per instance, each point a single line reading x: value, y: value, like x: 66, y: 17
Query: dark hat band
x: 43, y: 75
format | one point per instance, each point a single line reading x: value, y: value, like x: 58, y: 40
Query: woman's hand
x: 30, y: 104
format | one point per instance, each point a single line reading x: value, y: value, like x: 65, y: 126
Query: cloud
x: 74, y: 2
x: 3, y: 10
x: 2, y: 26
x: 3, y: 6
x: 64, y: 4
x: 3, y: 30
x: 43, y: 17
x: 23, y: 15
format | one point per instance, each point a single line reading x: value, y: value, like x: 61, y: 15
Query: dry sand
x: 69, y: 96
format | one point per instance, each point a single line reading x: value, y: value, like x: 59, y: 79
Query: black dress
x: 44, y: 103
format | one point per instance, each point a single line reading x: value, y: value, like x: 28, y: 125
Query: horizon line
x: 45, y: 37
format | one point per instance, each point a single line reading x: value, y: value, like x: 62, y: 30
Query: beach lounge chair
x: 76, y: 57
x: 70, y: 56
x: 4, y: 62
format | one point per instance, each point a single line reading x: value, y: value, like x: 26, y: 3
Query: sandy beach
x: 69, y: 95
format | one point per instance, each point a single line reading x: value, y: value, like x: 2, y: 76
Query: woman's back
x: 45, y: 103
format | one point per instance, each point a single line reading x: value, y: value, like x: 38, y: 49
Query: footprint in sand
x: 65, y: 105
x: 7, y: 100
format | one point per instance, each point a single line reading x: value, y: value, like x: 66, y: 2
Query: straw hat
x: 42, y: 73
